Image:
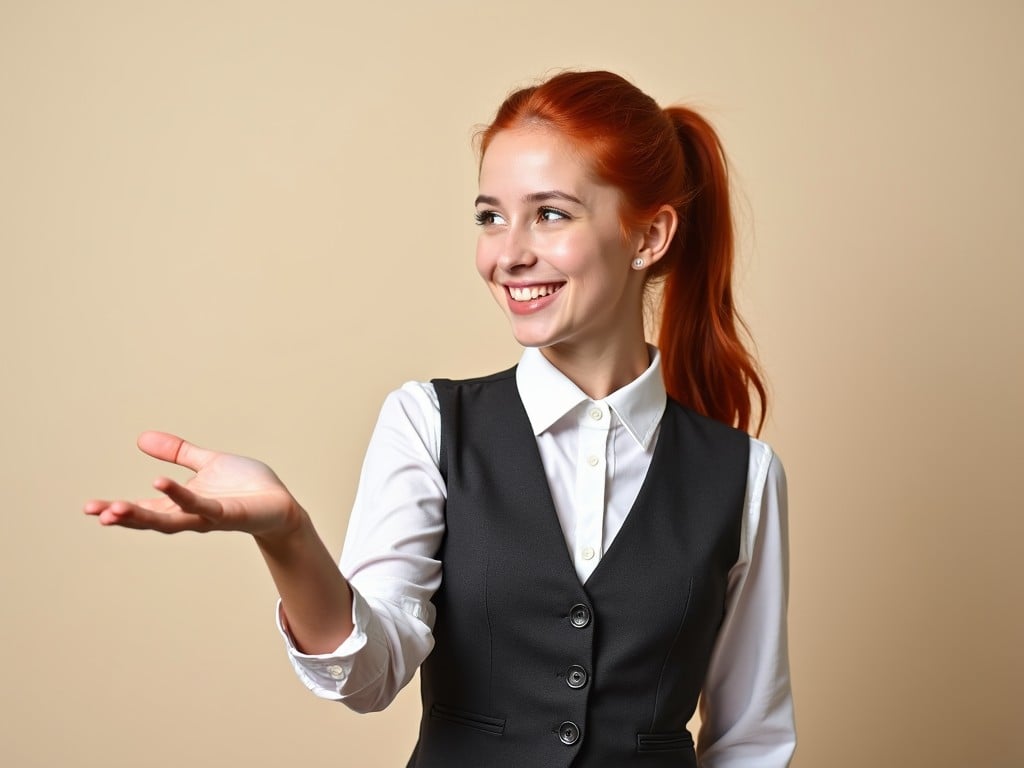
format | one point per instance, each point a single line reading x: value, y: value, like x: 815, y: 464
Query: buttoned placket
x: 595, y: 422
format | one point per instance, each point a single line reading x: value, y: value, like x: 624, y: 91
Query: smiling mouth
x: 529, y: 293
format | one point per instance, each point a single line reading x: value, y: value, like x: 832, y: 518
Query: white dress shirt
x: 595, y: 455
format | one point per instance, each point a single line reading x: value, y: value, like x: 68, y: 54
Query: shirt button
x: 569, y: 733
x: 579, y: 615
x: 596, y: 414
x: 593, y: 461
x: 576, y: 676
x: 336, y: 671
x: 588, y: 553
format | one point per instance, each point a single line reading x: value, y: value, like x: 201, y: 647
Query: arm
x: 389, y: 557
x: 235, y: 493
x: 747, y: 706
x: 344, y: 646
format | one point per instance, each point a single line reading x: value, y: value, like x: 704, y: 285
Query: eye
x: 486, y: 218
x: 552, y: 214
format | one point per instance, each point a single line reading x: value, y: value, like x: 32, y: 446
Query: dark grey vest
x: 534, y: 670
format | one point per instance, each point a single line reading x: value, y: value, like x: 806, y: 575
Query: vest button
x: 569, y: 733
x: 579, y: 615
x: 576, y: 676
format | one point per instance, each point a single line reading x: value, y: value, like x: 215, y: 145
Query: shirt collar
x: 548, y: 395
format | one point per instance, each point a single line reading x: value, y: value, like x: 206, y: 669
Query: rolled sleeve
x: 351, y: 668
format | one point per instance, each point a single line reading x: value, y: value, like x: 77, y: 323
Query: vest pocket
x: 664, y: 742
x: 492, y: 725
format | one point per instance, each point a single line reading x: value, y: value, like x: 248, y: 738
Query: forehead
x: 534, y: 157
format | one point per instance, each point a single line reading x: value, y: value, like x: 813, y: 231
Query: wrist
x: 289, y: 535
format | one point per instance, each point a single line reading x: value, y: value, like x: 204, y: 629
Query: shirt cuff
x: 353, y: 666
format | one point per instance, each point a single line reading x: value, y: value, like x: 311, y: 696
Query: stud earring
x: 638, y: 263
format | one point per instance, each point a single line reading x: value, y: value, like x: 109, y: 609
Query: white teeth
x: 531, y: 293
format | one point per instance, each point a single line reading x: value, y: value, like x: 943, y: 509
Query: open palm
x: 228, y: 492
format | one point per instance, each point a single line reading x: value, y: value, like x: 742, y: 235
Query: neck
x: 602, y: 371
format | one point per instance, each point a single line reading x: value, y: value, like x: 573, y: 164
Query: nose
x: 517, y: 251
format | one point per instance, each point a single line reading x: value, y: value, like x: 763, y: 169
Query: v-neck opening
x: 551, y: 511
x: 639, y: 503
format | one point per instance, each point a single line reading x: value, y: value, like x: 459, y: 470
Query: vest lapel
x: 521, y: 473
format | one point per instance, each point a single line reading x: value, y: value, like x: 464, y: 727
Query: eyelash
x: 487, y: 217
x: 559, y: 213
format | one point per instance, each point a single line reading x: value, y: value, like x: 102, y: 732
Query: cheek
x: 571, y: 254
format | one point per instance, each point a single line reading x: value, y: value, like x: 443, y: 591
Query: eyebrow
x: 533, y: 197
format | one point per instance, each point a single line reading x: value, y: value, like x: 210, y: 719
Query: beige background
x: 247, y: 221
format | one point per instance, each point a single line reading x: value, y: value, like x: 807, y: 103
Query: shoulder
x: 480, y: 395
x: 764, y: 500
x: 704, y: 424
x: 409, y: 420
x: 716, y: 442
x: 419, y: 401
x: 766, y: 504
x: 413, y: 411
x: 763, y: 461
x: 414, y: 400
x: 765, y: 468
x: 477, y: 381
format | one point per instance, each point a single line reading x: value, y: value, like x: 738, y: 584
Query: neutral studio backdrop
x: 248, y: 221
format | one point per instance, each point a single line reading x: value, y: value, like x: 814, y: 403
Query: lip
x: 533, y: 305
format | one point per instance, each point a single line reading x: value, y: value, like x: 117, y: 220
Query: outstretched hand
x: 227, y: 492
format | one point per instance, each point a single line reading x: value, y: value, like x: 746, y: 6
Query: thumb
x: 168, y: 447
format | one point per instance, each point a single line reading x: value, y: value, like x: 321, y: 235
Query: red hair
x: 659, y: 157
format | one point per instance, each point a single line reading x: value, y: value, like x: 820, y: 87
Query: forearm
x: 316, y: 599
x: 394, y: 532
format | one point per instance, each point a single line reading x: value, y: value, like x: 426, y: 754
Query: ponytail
x: 705, y: 363
x: 654, y: 158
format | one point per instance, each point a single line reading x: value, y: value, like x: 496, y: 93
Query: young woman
x: 577, y: 550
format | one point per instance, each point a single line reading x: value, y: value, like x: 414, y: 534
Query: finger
x: 190, y: 502
x: 128, y: 515
x: 95, y: 506
x: 158, y: 504
x: 168, y: 447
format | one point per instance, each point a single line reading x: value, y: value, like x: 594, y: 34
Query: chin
x: 527, y: 337
x: 525, y: 340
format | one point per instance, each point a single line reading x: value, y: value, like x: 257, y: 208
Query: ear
x: 658, y: 235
